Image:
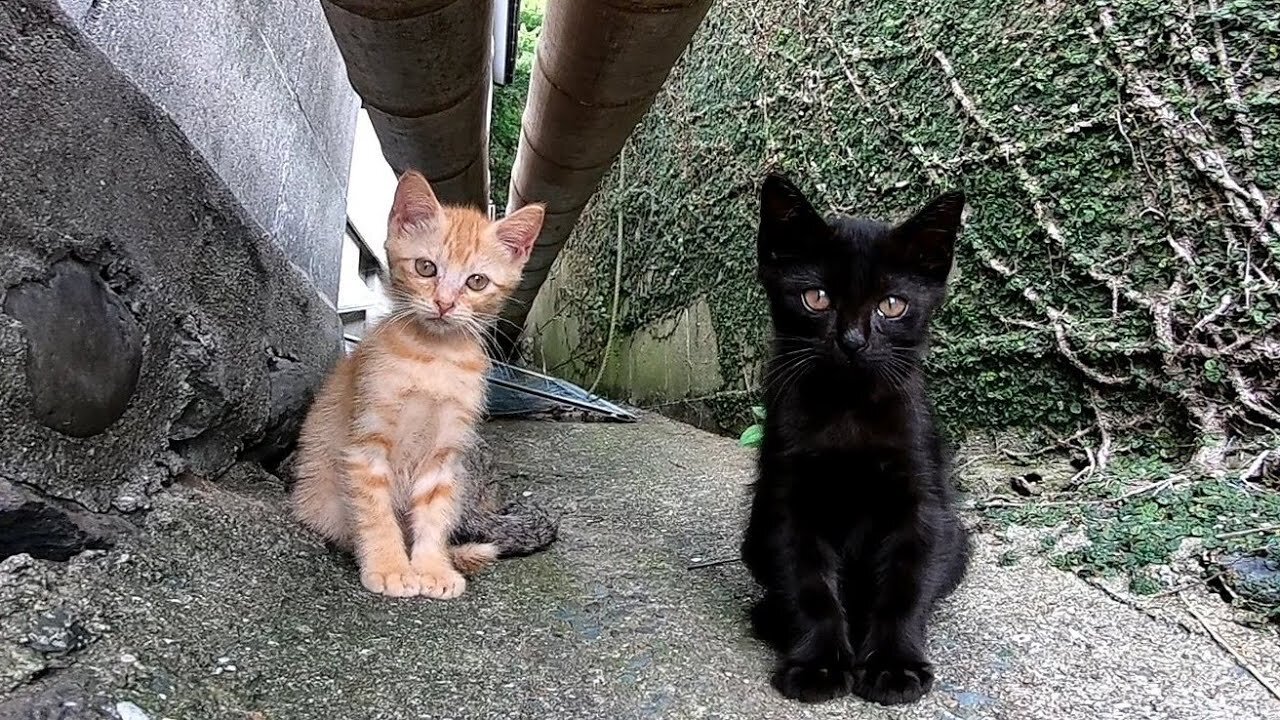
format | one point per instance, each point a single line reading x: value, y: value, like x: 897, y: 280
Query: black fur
x: 853, y: 533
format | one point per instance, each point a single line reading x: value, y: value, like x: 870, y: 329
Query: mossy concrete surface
x: 220, y: 606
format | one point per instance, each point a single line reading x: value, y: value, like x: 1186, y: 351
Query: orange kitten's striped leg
x: 379, y: 545
x: 433, y: 508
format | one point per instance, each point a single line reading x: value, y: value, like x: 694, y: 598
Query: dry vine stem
x: 1209, y: 418
x: 1230, y: 650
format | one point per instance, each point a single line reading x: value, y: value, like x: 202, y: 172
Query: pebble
x: 129, y: 711
x: 128, y: 659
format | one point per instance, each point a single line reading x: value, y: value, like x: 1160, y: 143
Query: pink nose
x: 443, y: 307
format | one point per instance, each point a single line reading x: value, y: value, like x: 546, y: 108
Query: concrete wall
x: 260, y: 90
x: 150, y: 325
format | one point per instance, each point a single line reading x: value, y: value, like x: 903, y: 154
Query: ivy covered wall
x: 1118, y: 269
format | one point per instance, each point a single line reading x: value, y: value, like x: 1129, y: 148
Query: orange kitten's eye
x: 816, y: 299
x: 477, y: 282
x: 892, y: 307
x: 425, y: 268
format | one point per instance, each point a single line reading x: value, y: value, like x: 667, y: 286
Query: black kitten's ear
x: 788, y: 221
x: 926, y: 242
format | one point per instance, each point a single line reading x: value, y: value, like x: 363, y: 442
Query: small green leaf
x: 758, y: 411
x: 1213, y: 370
x: 752, y: 436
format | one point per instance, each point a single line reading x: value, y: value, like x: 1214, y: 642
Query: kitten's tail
x: 515, y: 531
x: 471, y: 558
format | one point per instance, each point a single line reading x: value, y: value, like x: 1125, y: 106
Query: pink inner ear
x: 415, y: 203
x: 519, y: 230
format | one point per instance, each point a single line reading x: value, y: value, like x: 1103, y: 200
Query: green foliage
x: 508, y: 106
x: 1127, y: 532
x: 754, y: 434
x: 1147, y: 529
x: 1096, y: 247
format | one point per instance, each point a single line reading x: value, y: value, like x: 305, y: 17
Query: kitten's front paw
x: 895, y: 682
x: 445, y: 584
x: 392, y: 583
x: 813, y: 681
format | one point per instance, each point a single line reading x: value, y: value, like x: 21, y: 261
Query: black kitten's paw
x: 893, y: 682
x: 813, y: 681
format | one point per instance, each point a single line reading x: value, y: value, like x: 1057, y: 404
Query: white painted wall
x: 371, y: 188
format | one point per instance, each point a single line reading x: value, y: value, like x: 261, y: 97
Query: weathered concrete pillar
x: 422, y: 68
x: 600, y: 63
x: 150, y: 326
x: 275, y: 118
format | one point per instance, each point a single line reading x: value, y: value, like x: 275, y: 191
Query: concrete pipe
x: 599, y: 66
x: 422, y: 68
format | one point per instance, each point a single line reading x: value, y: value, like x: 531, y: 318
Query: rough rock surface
x: 222, y: 607
x: 148, y: 326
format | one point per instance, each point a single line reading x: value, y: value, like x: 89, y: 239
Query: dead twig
x: 713, y: 563
x: 1057, y: 444
x: 1256, y: 467
x: 1235, y: 655
x: 1244, y: 125
x: 1132, y: 602
x: 1005, y: 501
x: 1251, y: 531
x: 617, y: 285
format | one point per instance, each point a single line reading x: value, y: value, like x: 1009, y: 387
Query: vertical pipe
x: 500, y: 28
x: 599, y: 66
x: 423, y: 69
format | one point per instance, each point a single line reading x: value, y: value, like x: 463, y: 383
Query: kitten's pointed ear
x: 519, y: 230
x: 787, y: 220
x: 926, y: 242
x: 415, y: 203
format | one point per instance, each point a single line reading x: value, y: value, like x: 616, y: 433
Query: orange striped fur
x: 379, y: 457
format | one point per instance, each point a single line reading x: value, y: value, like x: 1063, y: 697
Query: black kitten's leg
x: 770, y: 623
x: 892, y: 668
x: 816, y: 662
x: 953, y: 558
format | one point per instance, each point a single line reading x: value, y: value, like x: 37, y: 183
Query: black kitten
x: 853, y: 533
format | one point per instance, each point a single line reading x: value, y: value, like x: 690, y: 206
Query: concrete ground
x: 221, y: 607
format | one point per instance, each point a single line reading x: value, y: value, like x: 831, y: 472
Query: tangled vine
x: 1118, y: 285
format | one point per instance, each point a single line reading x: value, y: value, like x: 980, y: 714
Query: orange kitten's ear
x: 520, y: 229
x: 415, y: 203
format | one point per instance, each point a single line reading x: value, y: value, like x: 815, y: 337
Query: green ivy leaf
x: 1213, y: 370
x: 758, y: 411
x: 752, y: 436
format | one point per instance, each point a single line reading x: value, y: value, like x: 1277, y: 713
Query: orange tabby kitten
x: 384, y: 441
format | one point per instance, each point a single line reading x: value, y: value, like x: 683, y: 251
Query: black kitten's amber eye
x: 477, y: 282
x: 816, y: 299
x: 425, y: 268
x: 892, y: 307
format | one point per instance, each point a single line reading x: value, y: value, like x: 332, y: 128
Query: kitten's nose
x: 443, y: 307
x: 852, y: 341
